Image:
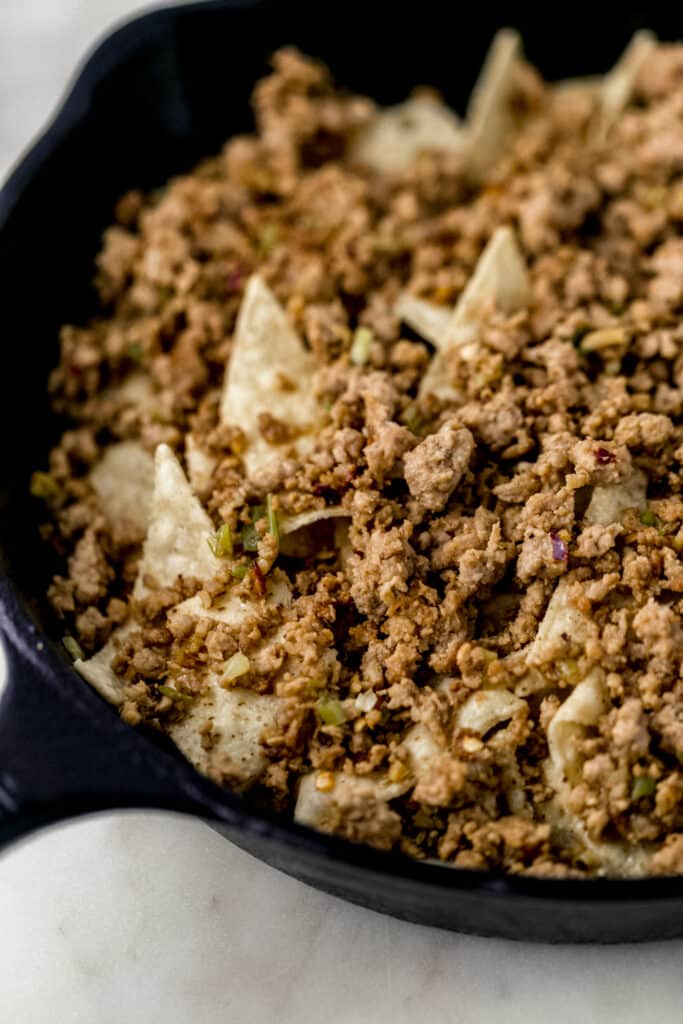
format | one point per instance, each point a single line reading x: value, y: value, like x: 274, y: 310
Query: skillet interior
x: 163, y: 91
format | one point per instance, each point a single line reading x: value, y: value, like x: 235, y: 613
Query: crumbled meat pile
x: 464, y: 515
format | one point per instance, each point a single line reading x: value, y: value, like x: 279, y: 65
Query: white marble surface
x: 146, y: 917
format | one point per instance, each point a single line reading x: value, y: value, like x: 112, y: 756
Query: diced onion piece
x: 360, y: 348
x: 236, y: 666
x: 330, y: 710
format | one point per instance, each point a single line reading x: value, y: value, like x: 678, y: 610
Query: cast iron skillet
x: 158, y: 94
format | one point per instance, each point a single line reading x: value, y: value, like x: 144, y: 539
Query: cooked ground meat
x: 514, y: 544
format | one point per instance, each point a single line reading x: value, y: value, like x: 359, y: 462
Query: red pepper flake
x: 560, y: 549
x: 604, y: 457
x: 259, y: 580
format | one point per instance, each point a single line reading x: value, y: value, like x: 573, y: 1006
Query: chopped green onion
x: 423, y: 820
x: 273, y: 524
x: 43, y: 485
x: 220, y: 542
x: 650, y: 518
x: 268, y: 237
x: 73, y: 647
x: 236, y: 666
x: 250, y: 537
x: 172, y: 693
x: 240, y: 571
x: 361, y: 345
x: 257, y: 512
x: 410, y: 417
x: 135, y: 351
x: 643, y: 785
x: 330, y: 710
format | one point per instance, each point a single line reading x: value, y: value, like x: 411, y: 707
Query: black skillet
x: 158, y: 94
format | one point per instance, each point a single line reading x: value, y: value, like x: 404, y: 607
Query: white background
x: 146, y: 918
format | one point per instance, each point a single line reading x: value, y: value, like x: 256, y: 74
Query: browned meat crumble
x: 464, y: 514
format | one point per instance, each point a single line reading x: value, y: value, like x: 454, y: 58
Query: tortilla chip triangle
x: 500, y: 281
x: 426, y: 318
x: 489, y: 115
x: 397, y: 135
x: 617, y: 85
x: 176, y: 542
x: 271, y: 372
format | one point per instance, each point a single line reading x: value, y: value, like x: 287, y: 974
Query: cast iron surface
x: 156, y: 95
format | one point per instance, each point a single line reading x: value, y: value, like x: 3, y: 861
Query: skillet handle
x: 63, y: 752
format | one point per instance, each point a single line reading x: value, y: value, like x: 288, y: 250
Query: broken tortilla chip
x: 500, y: 281
x: 609, y: 502
x: 427, y: 319
x: 235, y: 719
x: 176, y: 542
x: 490, y: 118
x: 124, y: 481
x: 617, y: 86
x: 397, y: 135
x: 270, y: 372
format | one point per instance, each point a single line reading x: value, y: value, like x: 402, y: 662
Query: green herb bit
x: 410, y: 418
x: 361, y: 345
x: 422, y: 820
x: 240, y: 571
x: 250, y: 537
x: 643, y: 785
x: 236, y: 666
x: 273, y: 524
x: 73, y: 648
x: 257, y: 512
x: 172, y: 693
x: 220, y: 542
x: 330, y: 710
x: 43, y: 485
x: 135, y: 351
x: 650, y: 518
x: 267, y: 239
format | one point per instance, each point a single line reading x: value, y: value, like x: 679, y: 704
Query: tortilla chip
x: 315, y: 807
x: 500, y: 281
x: 490, y: 118
x: 98, y: 671
x: 424, y: 750
x: 561, y: 620
x: 124, y: 481
x: 270, y: 371
x: 200, y: 465
x: 608, y: 503
x: 298, y: 534
x: 617, y: 85
x: 397, y: 135
x: 427, y: 319
x: 488, y: 708
x: 581, y: 710
x: 234, y: 609
x: 237, y: 718
x: 290, y: 524
x: 176, y: 542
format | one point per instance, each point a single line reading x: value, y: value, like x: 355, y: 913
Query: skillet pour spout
x: 156, y: 95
